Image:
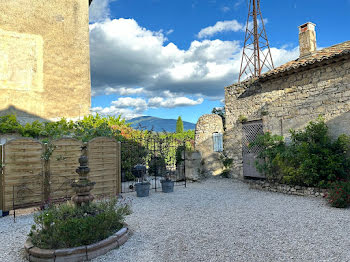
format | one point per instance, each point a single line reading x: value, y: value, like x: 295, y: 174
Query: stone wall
x: 193, y: 166
x: 44, y: 58
x: 286, y: 189
x: 289, y: 102
x: 205, y: 127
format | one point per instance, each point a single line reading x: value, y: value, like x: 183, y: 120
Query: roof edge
x: 313, y: 63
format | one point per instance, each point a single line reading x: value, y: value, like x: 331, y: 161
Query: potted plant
x: 142, y: 186
x: 167, y: 184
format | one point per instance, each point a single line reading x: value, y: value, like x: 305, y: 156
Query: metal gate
x: 162, y: 156
x: 250, y: 131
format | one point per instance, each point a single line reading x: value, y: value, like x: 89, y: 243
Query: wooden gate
x: 250, y: 130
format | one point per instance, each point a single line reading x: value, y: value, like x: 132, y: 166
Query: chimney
x: 307, y: 39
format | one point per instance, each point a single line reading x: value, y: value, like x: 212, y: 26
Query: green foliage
x: 179, y: 125
x: 225, y: 173
x: 242, y: 118
x: 274, y: 149
x: 179, y: 154
x: 311, y: 159
x: 227, y: 162
x: 339, y: 194
x: 32, y: 129
x: 9, y: 125
x: 136, y: 144
x: 85, y: 129
x: 220, y: 111
x: 67, y: 225
x: 157, y: 166
x: 132, y: 153
x: 48, y: 151
x: 94, y: 126
x: 54, y: 130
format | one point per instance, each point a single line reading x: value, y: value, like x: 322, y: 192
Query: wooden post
x: 2, y: 189
x: 46, y: 177
x: 118, y: 174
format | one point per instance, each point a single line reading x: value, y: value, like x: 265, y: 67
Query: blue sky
x: 168, y: 58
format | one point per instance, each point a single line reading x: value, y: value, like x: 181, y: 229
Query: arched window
x: 218, y: 142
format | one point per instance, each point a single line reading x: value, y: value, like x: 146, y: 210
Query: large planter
x: 142, y: 189
x: 167, y: 186
x: 76, y: 254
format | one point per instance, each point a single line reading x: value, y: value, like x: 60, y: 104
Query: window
x: 218, y: 142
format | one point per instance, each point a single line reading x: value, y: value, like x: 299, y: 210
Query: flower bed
x: 75, y: 254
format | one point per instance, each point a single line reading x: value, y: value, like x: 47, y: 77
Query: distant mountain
x: 158, y: 124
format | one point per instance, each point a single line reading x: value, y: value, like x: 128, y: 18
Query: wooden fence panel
x: 62, y: 165
x: 119, y: 168
x: 1, y: 180
x: 22, y: 173
x: 103, y: 154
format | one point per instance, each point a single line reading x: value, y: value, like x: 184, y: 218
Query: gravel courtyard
x: 218, y: 220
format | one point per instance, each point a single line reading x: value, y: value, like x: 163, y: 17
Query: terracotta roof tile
x: 318, y: 56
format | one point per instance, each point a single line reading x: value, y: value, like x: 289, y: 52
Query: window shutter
x: 217, y: 142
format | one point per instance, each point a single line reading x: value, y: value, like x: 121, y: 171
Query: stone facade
x: 44, y: 58
x: 289, y: 100
x: 205, y: 127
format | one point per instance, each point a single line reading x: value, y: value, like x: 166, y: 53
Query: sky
x: 170, y: 58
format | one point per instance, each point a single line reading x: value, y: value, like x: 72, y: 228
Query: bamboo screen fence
x: 34, y: 173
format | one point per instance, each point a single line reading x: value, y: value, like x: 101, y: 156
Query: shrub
x: 339, y: 194
x: 157, y: 166
x: 242, y: 118
x: 179, y: 154
x: 227, y: 163
x: 311, y: 159
x: 274, y: 149
x: 67, y: 225
x: 9, y: 124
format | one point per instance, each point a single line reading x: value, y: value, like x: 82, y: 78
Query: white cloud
x: 281, y: 56
x: 124, y: 91
x: 169, y: 32
x: 126, y: 56
x: 130, y: 107
x: 115, y: 111
x: 129, y: 60
x: 157, y: 102
x: 125, y: 102
x: 238, y: 3
x: 220, y: 26
x: 225, y: 9
x: 99, y: 10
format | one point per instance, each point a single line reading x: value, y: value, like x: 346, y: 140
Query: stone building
x: 208, y: 142
x: 288, y: 97
x: 44, y: 58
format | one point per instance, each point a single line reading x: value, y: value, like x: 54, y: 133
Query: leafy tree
x: 220, y: 111
x: 179, y: 125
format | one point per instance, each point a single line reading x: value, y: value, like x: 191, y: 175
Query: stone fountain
x: 83, y: 186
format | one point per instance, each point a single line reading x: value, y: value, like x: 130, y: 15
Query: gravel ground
x: 218, y: 220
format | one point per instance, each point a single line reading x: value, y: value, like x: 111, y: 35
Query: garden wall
x: 34, y: 173
x: 286, y: 189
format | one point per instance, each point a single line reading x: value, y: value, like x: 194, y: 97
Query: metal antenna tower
x: 256, y: 51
